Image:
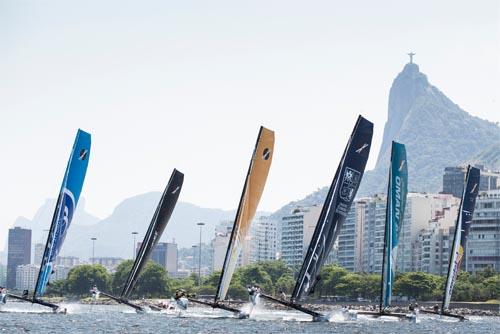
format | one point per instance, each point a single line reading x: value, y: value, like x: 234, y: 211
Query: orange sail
x: 252, y: 192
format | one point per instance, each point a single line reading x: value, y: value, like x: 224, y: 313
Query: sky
x: 186, y: 85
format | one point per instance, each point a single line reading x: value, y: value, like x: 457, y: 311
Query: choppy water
x: 23, y: 317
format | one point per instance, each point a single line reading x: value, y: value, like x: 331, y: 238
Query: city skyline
x: 173, y: 95
x: 425, y: 240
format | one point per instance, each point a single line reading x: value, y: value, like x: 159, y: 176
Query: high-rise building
x: 454, y: 179
x: 220, y: 243
x: 60, y: 272
x: 165, y: 254
x: 348, y: 248
x: 67, y: 261
x: 433, y: 244
x: 19, y: 252
x: 110, y: 263
x: 360, y: 244
x: 420, y: 210
x: 39, y: 249
x: 296, y: 233
x: 372, y: 218
x: 26, y: 276
x: 3, y: 275
x: 483, y: 242
x: 265, y: 241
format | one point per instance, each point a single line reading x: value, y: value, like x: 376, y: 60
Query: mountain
x: 436, y: 131
x: 437, y: 134
x: 113, y: 233
x: 489, y: 157
x: 40, y: 223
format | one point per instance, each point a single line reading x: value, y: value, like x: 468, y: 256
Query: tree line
x: 274, y: 277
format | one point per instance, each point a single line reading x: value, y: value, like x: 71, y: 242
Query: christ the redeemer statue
x: 411, y: 54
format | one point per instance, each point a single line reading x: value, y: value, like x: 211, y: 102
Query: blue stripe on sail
x: 69, y: 194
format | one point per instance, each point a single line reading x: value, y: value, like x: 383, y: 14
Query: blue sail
x: 65, y: 208
x: 396, y: 201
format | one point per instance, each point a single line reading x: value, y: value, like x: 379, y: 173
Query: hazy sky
x: 186, y: 84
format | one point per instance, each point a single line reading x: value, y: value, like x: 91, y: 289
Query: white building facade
x: 483, y: 242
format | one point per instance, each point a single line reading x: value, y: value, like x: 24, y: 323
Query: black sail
x: 462, y: 227
x: 337, y: 204
x: 158, y: 223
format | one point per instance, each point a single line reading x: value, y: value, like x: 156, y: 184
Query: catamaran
x: 65, y: 208
x: 252, y: 191
x: 397, y: 190
x: 338, y: 201
x: 462, y: 227
x: 158, y: 223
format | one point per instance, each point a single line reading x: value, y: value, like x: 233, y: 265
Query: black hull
x: 446, y: 314
x: 54, y: 307
x: 297, y: 307
x: 123, y: 301
x: 384, y: 314
x: 215, y: 305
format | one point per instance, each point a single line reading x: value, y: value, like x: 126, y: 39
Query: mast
x: 158, y: 223
x: 67, y: 201
x: 336, y: 207
x: 253, y: 188
x: 462, y: 226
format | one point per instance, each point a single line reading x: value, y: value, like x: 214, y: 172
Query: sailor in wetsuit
x: 254, y: 294
x: 3, y: 295
x: 95, y: 292
x: 181, y: 299
x: 414, y: 311
x: 282, y: 294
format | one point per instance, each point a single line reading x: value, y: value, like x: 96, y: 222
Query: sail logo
x: 473, y: 188
x: 83, y: 154
x: 403, y: 162
x: 399, y: 183
x: 350, y: 182
x: 456, y: 266
x: 359, y: 150
x: 266, y: 154
x: 176, y: 189
x: 64, y: 217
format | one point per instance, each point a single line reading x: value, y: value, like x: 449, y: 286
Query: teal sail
x: 396, y: 200
x: 65, y: 208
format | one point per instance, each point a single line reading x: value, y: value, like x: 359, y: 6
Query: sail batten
x: 397, y: 190
x: 67, y: 201
x: 253, y: 188
x: 336, y: 206
x: 462, y: 226
x: 158, y: 223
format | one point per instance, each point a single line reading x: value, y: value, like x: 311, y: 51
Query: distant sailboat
x: 462, y: 227
x: 158, y: 223
x: 65, y: 208
x: 338, y: 201
x: 252, y: 191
